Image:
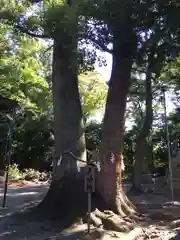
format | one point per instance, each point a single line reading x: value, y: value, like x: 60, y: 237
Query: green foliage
x: 23, y: 70
x: 29, y: 174
x: 171, y: 79
x: 93, y: 133
x: 174, y: 124
x: 25, y: 76
x: 22, y: 73
x: 93, y: 91
x: 14, y: 172
x: 33, y: 142
x: 160, y: 145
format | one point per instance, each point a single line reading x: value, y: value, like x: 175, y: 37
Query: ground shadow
x: 16, y: 222
x: 73, y: 236
x: 27, y: 224
x: 19, y: 198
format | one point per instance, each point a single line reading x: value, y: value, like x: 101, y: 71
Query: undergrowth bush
x: 14, y: 172
x: 29, y: 174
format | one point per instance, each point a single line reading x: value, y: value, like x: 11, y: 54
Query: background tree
x: 165, y: 48
x: 23, y: 78
x: 93, y: 91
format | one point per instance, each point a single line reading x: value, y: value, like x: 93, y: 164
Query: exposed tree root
x: 66, y: 201
x: 125, y: 207
x: 70, y: 207
x: 123, y: 219
x: 111, y: 221
x: 96, y: 221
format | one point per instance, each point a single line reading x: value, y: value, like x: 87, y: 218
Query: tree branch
x: 101, y: 46
x: 138, y: 70
x: 5, y: 15
x: 136, y: 93
x: 49, y: 48
x: 26, y: 31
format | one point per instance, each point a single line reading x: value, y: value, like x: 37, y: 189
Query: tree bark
x: 109, y: 180
x: 142, y: 145
x: 66, y: 195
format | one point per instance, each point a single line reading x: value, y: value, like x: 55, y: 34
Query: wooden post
x: 8, y: 161
x: 89, y: 188
x: 168, y: 145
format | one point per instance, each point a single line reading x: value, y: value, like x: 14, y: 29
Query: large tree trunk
x: 142, y: 143
x: 109, y: 182
x: 66, y: 195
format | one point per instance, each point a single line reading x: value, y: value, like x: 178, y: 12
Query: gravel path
x: 15, y: 227
x: 20, y: 197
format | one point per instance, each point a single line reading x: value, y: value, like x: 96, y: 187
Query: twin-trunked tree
x: 121, y: 23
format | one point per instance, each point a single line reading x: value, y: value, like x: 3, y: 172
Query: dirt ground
x: 161, y: 218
